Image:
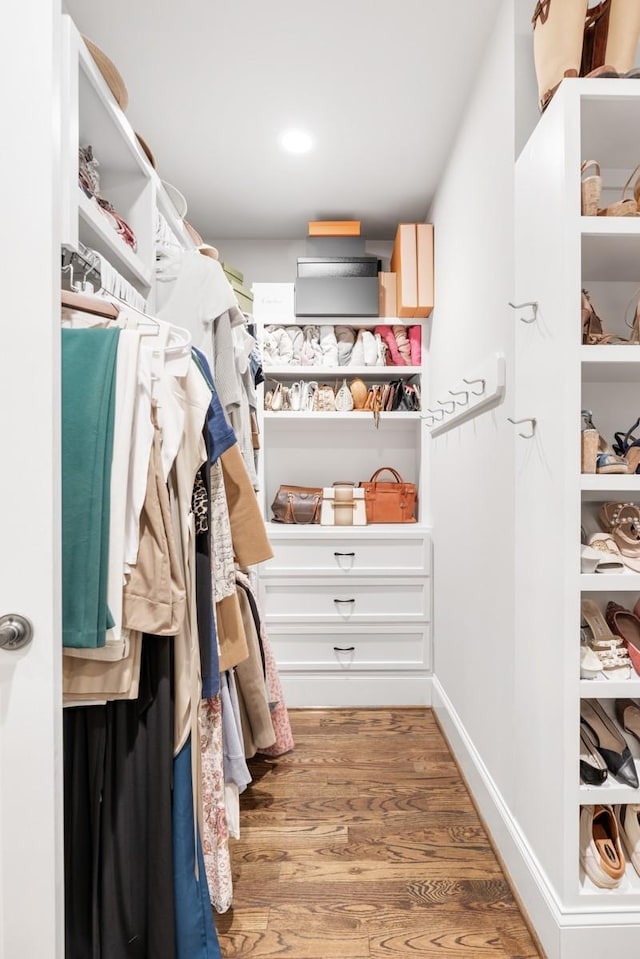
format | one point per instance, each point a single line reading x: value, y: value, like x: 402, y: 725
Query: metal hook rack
x: 463, y: 402
x: 520, y: 306
x: 490, y: 378
x: 527, y: 419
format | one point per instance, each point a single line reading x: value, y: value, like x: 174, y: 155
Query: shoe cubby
x: 628, y: 885
x: 559, y: 253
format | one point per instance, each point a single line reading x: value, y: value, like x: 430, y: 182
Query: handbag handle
x: 387, y: 469
x: 313, y: 517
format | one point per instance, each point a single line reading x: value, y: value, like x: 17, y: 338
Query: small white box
x: 273, y: 302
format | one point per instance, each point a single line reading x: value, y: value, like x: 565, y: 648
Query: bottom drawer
x: 384, y: 648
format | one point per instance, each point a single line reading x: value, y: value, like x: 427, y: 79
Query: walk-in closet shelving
x: 348, y: 609
x: 92, y: 117
x: 559, y: 252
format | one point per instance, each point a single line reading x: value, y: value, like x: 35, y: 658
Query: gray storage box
x: 337, y: 296
x: 323, y: 266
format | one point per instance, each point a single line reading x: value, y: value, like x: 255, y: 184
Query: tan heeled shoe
x: 592, y: 331
x: 626, y: 205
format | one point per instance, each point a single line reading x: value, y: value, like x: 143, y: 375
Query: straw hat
x: 178, y: 199
x: 207, y: 250
x: 146, y: 149
x: 111, y: 74
x: 193, y: 233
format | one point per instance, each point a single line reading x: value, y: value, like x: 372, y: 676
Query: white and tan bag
x: 343, y: 505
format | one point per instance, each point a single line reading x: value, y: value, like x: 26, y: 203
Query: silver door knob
x: 15, y: 632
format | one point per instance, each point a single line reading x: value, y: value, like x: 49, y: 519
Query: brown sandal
x: 592, y: 332
x: 626, y: 206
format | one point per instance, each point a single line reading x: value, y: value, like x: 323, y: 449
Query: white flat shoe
x: 629, y: 824
x: 590, y: 665
x: 611, y: 560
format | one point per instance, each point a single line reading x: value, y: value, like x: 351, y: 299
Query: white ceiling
x: 380, y: 84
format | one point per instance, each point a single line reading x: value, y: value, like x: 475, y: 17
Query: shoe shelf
x: 610, y: 582
x: 322, y: 372
x: 620, y: 896
x: 610, y: 793
x: 610, y: 689
x: 607, y: 364
x: 613, y: 483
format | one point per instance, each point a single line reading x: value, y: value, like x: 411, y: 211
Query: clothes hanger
x: 85, y: 303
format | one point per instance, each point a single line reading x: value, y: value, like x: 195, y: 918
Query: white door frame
x: 31, y: 839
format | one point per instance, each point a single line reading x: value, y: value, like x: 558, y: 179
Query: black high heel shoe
x: 609, y: 742
x: 628, y: 446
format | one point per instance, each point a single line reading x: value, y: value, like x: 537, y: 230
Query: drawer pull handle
x: 344, y: 554
x: 344, y: 600
x: 344, y: 649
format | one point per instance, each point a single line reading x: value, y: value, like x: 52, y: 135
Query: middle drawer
x: 359, y: 600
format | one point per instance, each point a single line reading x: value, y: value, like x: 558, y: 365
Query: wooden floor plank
x: 363, y: 843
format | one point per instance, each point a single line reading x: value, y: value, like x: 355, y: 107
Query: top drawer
x: 352, y: 553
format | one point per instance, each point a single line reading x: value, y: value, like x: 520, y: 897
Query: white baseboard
x: 562, y: 934
x: 326, y: 690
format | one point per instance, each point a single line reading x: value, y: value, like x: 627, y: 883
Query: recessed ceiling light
x: 296, y: 141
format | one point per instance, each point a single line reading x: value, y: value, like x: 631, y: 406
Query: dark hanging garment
x: 136, y: 902
x: 118, y: 764
x: 84, y: 729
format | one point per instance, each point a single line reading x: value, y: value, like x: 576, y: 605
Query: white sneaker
x: 629, y: 824
x: 601, y: 854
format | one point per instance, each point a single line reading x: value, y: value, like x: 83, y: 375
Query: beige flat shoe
x: 610, y: 560
x: 622, y: 520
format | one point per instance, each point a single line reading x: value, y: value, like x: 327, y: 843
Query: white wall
x: 274, y: 261
x: 472, y: 472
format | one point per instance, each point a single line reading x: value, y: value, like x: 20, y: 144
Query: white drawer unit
x: 360, y: 600
x: 350, y: 555
x: 374, y: 648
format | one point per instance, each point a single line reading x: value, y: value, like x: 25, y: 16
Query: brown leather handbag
x: 297, y: 504
x: 389, y: 502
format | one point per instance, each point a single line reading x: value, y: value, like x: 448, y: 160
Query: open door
x: 31, y: 848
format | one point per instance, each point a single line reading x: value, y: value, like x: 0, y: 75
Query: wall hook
x: 435, y: 412
x: 445, y: 403
x: 534, y: 310
x: 483, y: 386
x: 527, y: 419
x: 463, y: 402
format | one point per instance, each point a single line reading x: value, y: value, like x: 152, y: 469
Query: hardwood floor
x: 363, y: 843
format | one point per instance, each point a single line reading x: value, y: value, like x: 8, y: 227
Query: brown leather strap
x: 596, y: 32
x: 389, y: 469
x: 541, y: 12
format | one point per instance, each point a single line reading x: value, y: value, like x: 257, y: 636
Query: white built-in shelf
x: 610, y: 582
x: 355, y: 321
x: 352, y: 417
x: 626, y: 894
x: 610, y: 688
x: 610, y: 792
x: 371, y: 531
x: 611, y: 364
x: 610, y: 248
x: 610, y: 483
x: 96, y: 233
x: 320, y: 372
